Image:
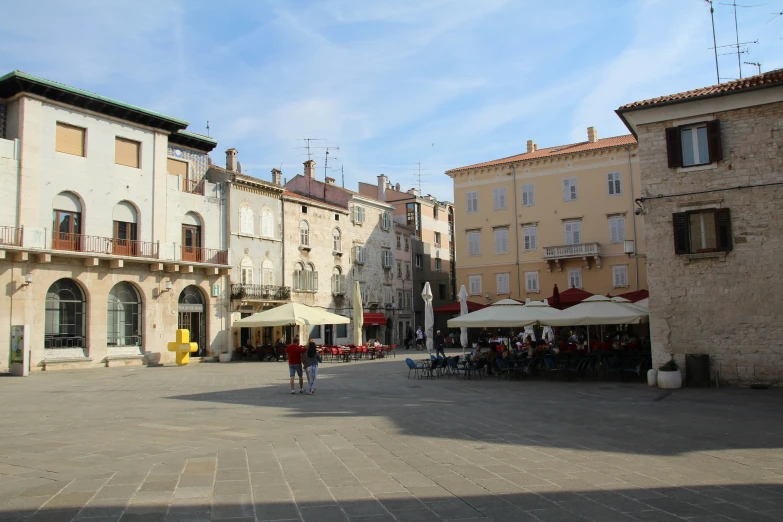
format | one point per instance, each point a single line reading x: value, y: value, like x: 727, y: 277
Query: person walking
x: 294, y: 353
x: 311, y: 366
x: 419, y: 338
x: 439, y: 345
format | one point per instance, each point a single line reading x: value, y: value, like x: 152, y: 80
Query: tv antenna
x: 342, y: 174
x: 326, y: 159
x: 307, y: 145
x: 207, y: 127
x: 735, y: 5
x: 757, y: 64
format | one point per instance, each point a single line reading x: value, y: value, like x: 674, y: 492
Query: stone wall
x: 729, y: 306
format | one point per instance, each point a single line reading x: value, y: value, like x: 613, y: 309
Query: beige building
x: 110, y: 237
x: 559, y: 215
x: 712, y: 185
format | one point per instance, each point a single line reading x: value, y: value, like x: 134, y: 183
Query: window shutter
x: 673, y: 147
x: 533, y: 238
x: 714, y: 144
x: 566, y: 190
x: 504, y: 241
x: 681, y: 233
x: 315, y: 281
x: 723, y: 229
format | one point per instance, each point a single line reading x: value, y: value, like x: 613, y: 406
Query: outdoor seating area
x: 343, y: 353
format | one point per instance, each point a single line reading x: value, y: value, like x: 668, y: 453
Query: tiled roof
x: 616, y: 141
x: 296, y: 195
x: 349, y: 191
x: 760, y: 81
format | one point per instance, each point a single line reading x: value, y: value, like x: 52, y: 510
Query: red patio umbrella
x: 453, y: 308
x: 568, y: 297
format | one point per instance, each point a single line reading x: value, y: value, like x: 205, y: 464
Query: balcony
x: 240, y: 292
x: 586, y: 251
x: 193, y: 186
x: 104, y: 245
x: 11, y: 236
x: 204, y: 255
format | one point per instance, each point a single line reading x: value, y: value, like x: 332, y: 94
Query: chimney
x: 414, y: 192
x: 231, y: 160
x: 535, y: 147
x: 277, y: 174
x: 592, y: 134
x: 329, y: 181
x: 382, y: 181
x: 397, y: 187
x: 309, y: 169
x: 531, y: 146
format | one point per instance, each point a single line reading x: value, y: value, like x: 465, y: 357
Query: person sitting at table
x: 503, y: 358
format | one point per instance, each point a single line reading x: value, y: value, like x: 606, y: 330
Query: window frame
x: 611, y: 220
x: 267, y: 221
x: 477, y: 236
x: 573, y: 186
x: 531, y: 194
x: 501, y: 291
x: 337, y: 240
x: 138, y: 151
x: 500, y: 239
x: 619, y: 269
x: 246, y: 218
x: 471, y: 279
x: 499, y: 198
x: 528, y: 289
x: 681, y: 224
x: 304, y: 233
x: 534, y: 236
x: 615, y: 184
x: 565, y: 232
x: 574, y: 271
x: 674, y: 149
x: 70, y: 126
x: 471, y: 199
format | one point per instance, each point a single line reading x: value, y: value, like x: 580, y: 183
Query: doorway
x: 193, y: 318
x: 329, y: 334
x: 244, y: 333
x: 191, y: 243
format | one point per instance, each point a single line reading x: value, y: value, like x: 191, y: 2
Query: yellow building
x: 561, y: 215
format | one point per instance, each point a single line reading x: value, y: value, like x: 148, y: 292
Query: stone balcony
x: 266, y: 293
x: 553, y: 255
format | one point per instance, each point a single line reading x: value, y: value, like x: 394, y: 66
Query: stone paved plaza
x: 229, y: 442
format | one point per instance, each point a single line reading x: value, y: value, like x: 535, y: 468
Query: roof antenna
x: 207, y: 128
x: 757, y: 64
x: 307, y: 145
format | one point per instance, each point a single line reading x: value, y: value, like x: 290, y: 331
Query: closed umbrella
x: 549, y: 334
x: 429, y: 317
x: 463, y: 310
x: 529, y: 330
x: 358, y: 313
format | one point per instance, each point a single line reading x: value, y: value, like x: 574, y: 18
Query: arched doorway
x: 64, y: 315
x: 123, y: 316
x: 192, y: 317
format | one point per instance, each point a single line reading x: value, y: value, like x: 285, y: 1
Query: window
x: 474, y: 282
x: 127, y: 152
x: 438, y: 265
x: 472, y: 202
x: 499, y: 198
x: 342, y: 330
x: 124, y: 240
x: 246, y: 218
x: 304, y: 233
x: 530, y: 238
x: 399, y: 242
x: 417, y: 260
x: 501, y: 241
x: 64, y: 315
x: 573, y: 232
x: 305, y: 278
x: 358, y: 254
x: 407, y: 244
x: 358, y: 214
x: 399, y: 269
x: 691, y: 145
x: 338, y: 281
x: 531, y: 282
x: 267, y: 223
x: 337, y: 217
x: 177, y: 168
x: 304, y: 209
x: 191, y: 238
x: 615, y: 186
x: 388, y: 259
x: 437, y: 239
x: 407, y: 270
x: 123, y: 316
x: 315, y: 332
x: 337, y: 240
x: 408, y: 299
x: 67, y: 222
x: 267, y: 272
x: 474, y: 243
x: 387, y: 295
x: 386, y: 220
x: 574, y: 278
x: 502, y: 282
x: 400, y: 299
x: 442, y: 292
x: 619, y: 276
x: 528, y: 195
x: 702, y: 231
x: 410, y: 214
x: 69, y: 139
x: 569, y: 189
x: 616, y: 229
x: 246, y: 271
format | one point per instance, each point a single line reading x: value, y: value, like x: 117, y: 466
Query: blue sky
x: 442, y: 82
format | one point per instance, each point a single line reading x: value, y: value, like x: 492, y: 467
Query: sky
x: 401, y: 87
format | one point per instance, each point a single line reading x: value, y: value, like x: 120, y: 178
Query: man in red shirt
x: 294, y: 352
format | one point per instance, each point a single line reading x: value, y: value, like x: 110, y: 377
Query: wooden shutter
x: 69, y: 139
x: 714, y: 145
x: 177, y: 168
x: 126, y: 152
x: 681, y: 233
x: 723, y: 229
x: 673, y: 147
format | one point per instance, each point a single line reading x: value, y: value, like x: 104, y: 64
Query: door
x: 66, y: 233
x: 329, y: 335
x: 244, y: 333
x: 124, y: 242
x: 191, y: 243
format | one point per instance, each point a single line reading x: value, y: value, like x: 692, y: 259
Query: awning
x: 453, y: 308
x: 374, y: 319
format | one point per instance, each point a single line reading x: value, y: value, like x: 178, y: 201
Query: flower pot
x: 224, y: 357
x: 669, y: 380
x: 652, y: 377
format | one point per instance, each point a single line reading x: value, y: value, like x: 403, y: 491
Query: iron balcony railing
x: 63, y: 341
x: 577, y: 250
x: 204, y: 255
x: 11, y: 236
x: 104, y: 245
x: 241, y: 292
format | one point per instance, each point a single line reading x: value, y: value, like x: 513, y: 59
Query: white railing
x: 577, y: 250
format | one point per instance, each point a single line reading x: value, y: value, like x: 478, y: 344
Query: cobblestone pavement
x: 229, y: 442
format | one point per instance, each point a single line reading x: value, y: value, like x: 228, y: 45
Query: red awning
x: 453, y: 308
x: 570, y: 297
x: 374, y: 319
x: 636, y: 295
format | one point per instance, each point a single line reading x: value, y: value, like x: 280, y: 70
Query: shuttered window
x: 127, y: 152
x: 691, y: 145
x: 474, y: 243
x: 573, y: 232
x: 620, y: 276
x: 569, y: 189
x: 70, y: 139
x: 616, y: 229
x: 472, y: 202
x: 528, y: 195
x: 702, y: 231
x: 358, y: 214
x: 501, y: 241
x: 474, y: 282
x: 246, y: 218
x: 177, y: 168
x: 499, y: 198
x: 613, y: 180
x: 531, y: 281
x: 530, y: 238
x: 502, y: 282
x: 267, y: 223
x: 574, y: 278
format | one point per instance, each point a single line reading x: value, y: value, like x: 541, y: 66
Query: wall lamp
x: 28, y: 280
x: 167, y: 286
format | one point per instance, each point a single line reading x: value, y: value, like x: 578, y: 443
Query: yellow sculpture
x: 183, y: 347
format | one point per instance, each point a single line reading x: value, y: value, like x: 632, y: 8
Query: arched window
x: 246, y: 271
x: 304, y: 233
x: 123, y: 322
x: 267, y: 272
x: 338, y: 281
x: 337, y: 238
x: 246, y: 218
x: 305, y: 278
x: 312, y: 277
x: 267, y: 223
x: 67, y: 222
x: 125, y: 231
x: 64, y: 315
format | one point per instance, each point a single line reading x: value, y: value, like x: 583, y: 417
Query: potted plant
x: 669, y: 376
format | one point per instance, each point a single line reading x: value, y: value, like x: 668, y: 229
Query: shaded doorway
x: 192, y: 317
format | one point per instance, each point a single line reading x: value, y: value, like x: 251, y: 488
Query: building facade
x: 712, y: 175
x: 555, y: 216
x: 403, y: 282
x: 111, y: 237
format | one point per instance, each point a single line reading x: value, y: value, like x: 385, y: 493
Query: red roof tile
x: 616, y: 141
x: 760, y: 81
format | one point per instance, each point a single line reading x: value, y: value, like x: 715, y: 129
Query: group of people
x: 299, y: 357
x: 518, y: 347
x: 420, y: 340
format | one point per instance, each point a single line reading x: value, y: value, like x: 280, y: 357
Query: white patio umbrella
x: 597, y: 310
x: 358, y: 313
x: 291, y: 314
x: 463, y: 310
x: 429, y: 317
x: 506, y: 313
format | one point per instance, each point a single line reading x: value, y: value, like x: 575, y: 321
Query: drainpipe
x: 633, y: 216
x: 282, y: 241
x: 516, y: 231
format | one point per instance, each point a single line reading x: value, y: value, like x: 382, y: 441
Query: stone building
x: 712, y: 192
x: 319, y: 216
x: 110, y: 237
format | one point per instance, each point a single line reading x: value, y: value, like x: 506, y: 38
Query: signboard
x: 215, y: 290
x: 191, y: 307
x: 17, y: 345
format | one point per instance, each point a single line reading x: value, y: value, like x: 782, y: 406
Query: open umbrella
x: 463, y: 310
x: 598, y: 310
x: 506, y: 313
x: 358, y: 313
x: 291, y: 314
x: 429, y: 317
